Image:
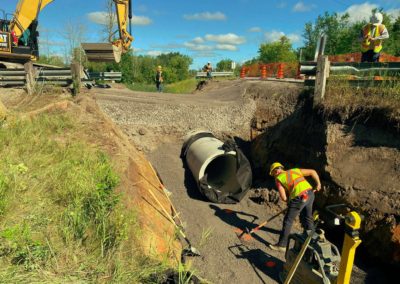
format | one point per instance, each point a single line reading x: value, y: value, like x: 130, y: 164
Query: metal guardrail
x: 106, y: 76
x: 51, y: 76
x: 17, y: 77
x: 215, y: 74
x: 354, y: 68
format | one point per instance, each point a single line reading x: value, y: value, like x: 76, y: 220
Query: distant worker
x: 208, y: 68
x: 371, y: 38
x: 301, y: 198
x: 159, y: 79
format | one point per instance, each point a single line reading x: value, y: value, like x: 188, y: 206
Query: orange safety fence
x: 278, y: 70
x: 356, y: 57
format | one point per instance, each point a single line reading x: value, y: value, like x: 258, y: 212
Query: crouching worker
x: 298, y: 193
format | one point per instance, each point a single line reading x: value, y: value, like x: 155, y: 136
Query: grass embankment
x: 385, y: 96
x: 60, y: 218
x: 181, y: 87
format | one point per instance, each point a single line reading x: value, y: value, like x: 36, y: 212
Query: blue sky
x: 206, y: 30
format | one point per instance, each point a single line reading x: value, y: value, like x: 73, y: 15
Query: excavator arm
x: 20, y: 43
x: 25, y: 14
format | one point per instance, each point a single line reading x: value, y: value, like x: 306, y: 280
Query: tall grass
x: 386, y: 95
x: 60, y: 218
x: 181, y: 87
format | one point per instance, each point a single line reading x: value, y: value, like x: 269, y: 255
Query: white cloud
x: 198, y: 47
x: 102, y: 19
x: 301, y: 7
x: 273, y: 35
x: 255, y: 30
x: 294, y: 38
x: 140, y: 21
x: 394, y: 13
x: 154, y: 52
x: 276, y: 35
x: 229, y: 38
x: 198, y: 40
x: 229, y: 47
x: 206, y: 16
x: 360, y: 12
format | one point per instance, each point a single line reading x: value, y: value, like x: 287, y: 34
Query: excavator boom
x: 25, y: 14
x: 19, y: 37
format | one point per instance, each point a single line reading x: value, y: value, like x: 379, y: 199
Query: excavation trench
x: 354, y: 149
x: 270, y: 122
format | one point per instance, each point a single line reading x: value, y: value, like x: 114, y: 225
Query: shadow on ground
x: 259, y: 260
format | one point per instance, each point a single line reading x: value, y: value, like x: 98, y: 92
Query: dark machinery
x: 313, y: 259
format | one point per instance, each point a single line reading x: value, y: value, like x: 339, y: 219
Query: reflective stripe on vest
x: 372, y: 45
x: 294, y: 182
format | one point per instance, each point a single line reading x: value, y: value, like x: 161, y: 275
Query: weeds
x: 205, y: 235
x: 60, y: 217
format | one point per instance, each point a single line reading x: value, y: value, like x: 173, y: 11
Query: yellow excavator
x: 19, y: 35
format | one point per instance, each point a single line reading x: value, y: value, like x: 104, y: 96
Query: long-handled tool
x: 174, y: 211
x: 191, y: 250
x: 246, y: 234
x: 293, y: 269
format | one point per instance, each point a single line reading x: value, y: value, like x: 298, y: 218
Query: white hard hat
x: 377, y: 18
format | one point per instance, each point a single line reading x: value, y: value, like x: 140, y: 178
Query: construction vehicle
x: 19, y: 35
x: 321, y: 261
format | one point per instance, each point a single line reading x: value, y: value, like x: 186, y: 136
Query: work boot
x: 277, y: 247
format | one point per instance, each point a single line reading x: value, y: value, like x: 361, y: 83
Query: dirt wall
x: 355, y: 151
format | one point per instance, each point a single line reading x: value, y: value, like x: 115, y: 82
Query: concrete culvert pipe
x: 222, y: 173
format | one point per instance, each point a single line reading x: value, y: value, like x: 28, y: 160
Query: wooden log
x: 323, y: 65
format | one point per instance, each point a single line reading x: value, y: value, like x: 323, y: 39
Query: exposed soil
x: 146, y: 117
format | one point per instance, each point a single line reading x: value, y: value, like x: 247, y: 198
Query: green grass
x: 181, y: 87
x: 60, y: 218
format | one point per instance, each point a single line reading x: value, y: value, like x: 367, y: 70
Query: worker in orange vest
x: 371, y: 38
x: 300, y: 200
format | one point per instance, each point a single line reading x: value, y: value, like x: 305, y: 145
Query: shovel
x: 246, y: 234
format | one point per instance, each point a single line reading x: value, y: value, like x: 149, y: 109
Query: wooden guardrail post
x: 30, y: 77
x: 323, y: 65
x: 76, y: 77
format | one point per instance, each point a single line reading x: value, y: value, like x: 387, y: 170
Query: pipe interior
x: 221, y: 174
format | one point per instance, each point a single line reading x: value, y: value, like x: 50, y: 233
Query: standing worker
x: 371, y: 38
x: 208, y: 68
x: 159, y: 79
x: 301, y: 198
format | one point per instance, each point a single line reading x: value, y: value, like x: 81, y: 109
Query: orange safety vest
x: 294, y: 182
x: 376, y: 45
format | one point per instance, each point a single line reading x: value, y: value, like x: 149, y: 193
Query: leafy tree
x: 52, y: 60
x: 278, y: 51
x: 224, y: 65
x: 343, y: 36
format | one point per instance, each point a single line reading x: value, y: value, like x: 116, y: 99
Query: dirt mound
x: 357, y: 156
x: 137, y: 176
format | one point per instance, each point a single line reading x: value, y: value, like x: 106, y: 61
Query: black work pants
x: 297, y: 205
x: 370, y: 56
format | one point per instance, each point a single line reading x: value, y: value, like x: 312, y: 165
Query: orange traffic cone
x: 263, y: 71
x: 243, y: 72
x: 280, y: 71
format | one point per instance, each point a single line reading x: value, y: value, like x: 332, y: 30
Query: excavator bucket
x: 102, y: 52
